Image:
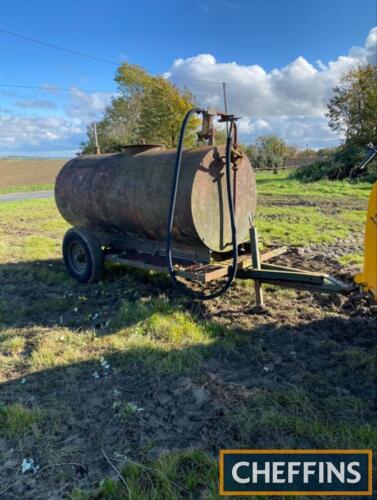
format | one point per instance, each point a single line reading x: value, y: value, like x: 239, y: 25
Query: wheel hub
x: 78, y: 257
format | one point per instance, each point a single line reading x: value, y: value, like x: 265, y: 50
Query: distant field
x: 281, y: 184
x: 25, y: 175
x: 28, y: 175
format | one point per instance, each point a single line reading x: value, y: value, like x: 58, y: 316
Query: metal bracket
x: 284, y: 276
x: 225, y: 117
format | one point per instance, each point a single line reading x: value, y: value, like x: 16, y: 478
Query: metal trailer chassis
x: 83, y: 247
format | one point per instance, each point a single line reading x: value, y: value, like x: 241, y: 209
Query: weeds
x: 16, y: 420
x: 351, y: 258
x: 192, y: 474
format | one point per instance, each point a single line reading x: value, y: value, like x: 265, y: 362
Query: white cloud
x: 21, y: 131
x: 249, y: 126
x: 292, y: 100
x: 87, y: 106
x: 48, y: 135
x: 289, y: 101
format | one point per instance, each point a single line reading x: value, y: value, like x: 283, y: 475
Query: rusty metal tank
x: 128, y: 193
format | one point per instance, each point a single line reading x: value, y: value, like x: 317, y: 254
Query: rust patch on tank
x: 130, y: 194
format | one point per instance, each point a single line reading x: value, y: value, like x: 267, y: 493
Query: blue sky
x: 269, y: 51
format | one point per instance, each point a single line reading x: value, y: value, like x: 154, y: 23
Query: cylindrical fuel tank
x: 130, y: 194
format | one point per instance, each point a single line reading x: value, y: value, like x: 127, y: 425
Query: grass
x: 305, y: 225
x: 153, y: 341
x: 302, y: 224
x: 16, y: 420
x: 297, y: 376
x: 296, y: 415
x: 192, y: 474
x: 351, y: 258
x: 27, y: 188
x: 36, y: 234
x: 270, y: 184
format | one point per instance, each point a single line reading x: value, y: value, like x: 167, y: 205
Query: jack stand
x: 274, y: 274
x: 256, y: 263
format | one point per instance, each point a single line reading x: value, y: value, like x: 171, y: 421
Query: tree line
x: 352, y: 110
x: 150, y: 109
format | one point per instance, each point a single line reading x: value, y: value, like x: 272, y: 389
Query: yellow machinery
x: 368, y: 277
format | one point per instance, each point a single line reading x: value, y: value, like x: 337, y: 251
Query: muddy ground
x: 301, y: 373
x: 297, y: 375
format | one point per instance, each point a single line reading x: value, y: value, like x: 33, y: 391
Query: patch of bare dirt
x: 326, y: 204
x: 25, y: 172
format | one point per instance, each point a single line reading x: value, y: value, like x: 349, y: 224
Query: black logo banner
x: 296, y: 472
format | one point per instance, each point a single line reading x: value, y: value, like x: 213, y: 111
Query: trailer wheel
x: 83, y: 256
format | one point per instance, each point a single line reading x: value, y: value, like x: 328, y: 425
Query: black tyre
x: 83, y: 256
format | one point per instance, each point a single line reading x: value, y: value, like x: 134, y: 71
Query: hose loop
x: 173, y: 199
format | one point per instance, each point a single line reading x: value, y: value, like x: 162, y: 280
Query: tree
x: 267, y: 152
x: 149, y: 108
x: 353, y: 107
x: 353, y: 111
x: 272, y: 145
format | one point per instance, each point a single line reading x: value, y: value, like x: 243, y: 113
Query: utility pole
x: 225, y: 100
x: 225, y: 104
x: 98, y: 151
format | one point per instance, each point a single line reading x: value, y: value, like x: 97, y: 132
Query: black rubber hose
x: 169, y: 238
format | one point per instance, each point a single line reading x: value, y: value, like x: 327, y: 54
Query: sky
x: 280, y: 60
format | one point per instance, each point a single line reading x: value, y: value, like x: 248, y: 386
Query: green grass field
x: 27, y: 188
x: 279, y: 184
x: 127, y: 389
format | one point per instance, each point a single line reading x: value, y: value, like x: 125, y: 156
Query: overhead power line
x: 88, y: 56
x: 114, y: 63
x: 58, y: 47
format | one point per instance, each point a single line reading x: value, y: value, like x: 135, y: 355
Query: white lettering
x: 333, y: 471
x: 236, y: 477
x: 285, y: 472
x: 277, y: 470
x: 292, y: 471
x: 262, y: 472
x: 321, y: 473
x: 308, y: 471
x: 351, y: 469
